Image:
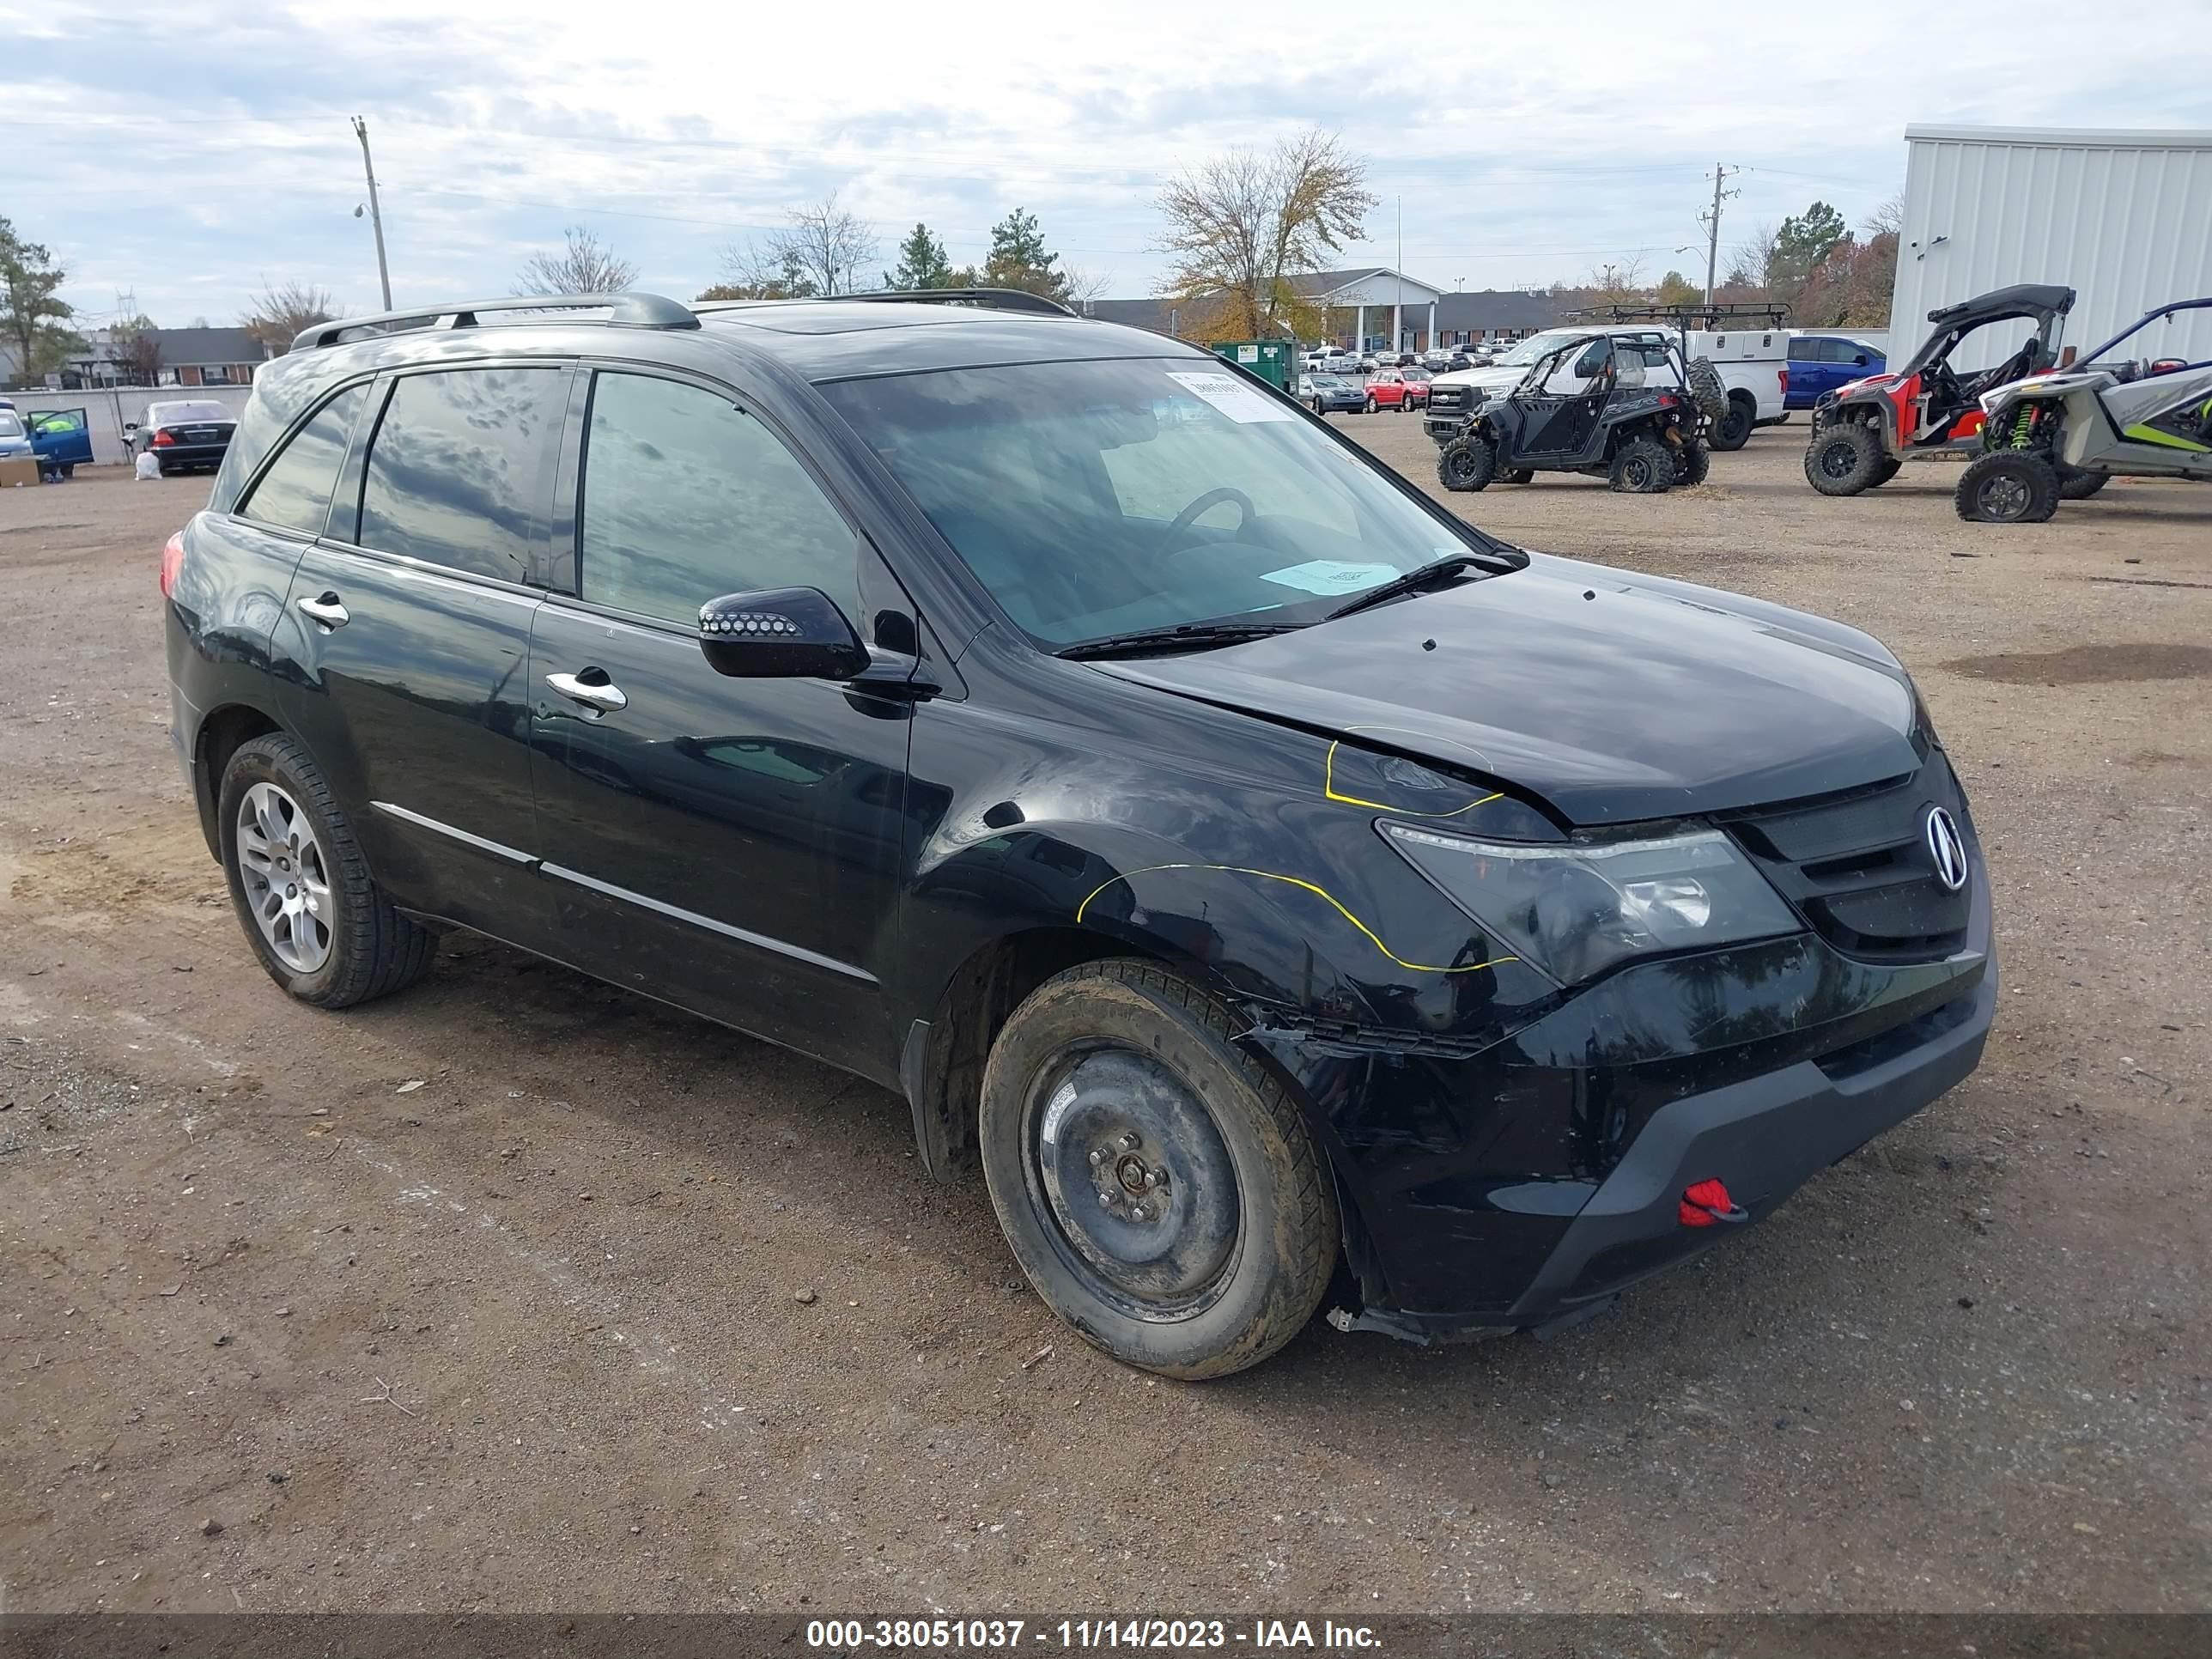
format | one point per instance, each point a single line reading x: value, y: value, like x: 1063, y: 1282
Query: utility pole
x: 1712, y: 223
x: 375, y: 215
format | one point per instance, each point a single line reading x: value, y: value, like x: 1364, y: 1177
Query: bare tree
x: 1617, y: 282
x: 583, y: 265
x: 1244, y: 224
x: 822, y: 253
x: 1753, y: 258
x: 134, y: 348
x: 277, y: 318
x: 1889, y: 219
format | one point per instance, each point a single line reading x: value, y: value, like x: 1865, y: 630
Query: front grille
x: 1447, y: 399
x: 1859, y: 868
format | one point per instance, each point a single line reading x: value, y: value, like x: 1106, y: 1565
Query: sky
x: 188, y: 155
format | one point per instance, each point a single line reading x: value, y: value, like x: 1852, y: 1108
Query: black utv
x: 1586, y: 407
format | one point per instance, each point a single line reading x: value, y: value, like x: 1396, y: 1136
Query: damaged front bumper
x: 1523, y: 1187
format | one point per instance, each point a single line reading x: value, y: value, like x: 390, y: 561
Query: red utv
x: 1864, y: 430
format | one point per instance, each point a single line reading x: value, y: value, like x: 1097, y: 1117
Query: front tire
x: 1372, y: 404
x: 1468, y: 462
x: 1642, y: 466
x: 1732, y: 430
x: 321, y: 926
x: 2008, y: 486
x: 1843, y: 460
x: 1157, y: 1184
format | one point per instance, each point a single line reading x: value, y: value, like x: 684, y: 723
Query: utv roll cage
x: 2041, y: 302
x: 1716, y: 315
x: 2145, y: 321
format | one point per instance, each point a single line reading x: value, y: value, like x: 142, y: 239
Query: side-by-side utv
x: 2060, y: 436
x: 1864, y: 431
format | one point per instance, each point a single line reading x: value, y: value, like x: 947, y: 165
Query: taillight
x: 173, y: 561
x: 162, y: 438
x: 1783, y: 375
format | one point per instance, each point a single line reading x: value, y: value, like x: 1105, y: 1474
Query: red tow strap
x: 1708, y: 1202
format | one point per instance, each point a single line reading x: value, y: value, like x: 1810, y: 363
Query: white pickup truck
x: 1749, y: 364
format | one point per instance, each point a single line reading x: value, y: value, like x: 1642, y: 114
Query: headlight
x: 1573, y: 912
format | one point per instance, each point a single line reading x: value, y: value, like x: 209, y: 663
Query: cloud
x: 189, y: 159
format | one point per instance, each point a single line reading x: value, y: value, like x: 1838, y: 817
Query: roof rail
x: 993, y: 298
x: 627, y: 310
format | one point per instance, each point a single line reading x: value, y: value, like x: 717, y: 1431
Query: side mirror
x: 780, y: 634
x: 1861, y: 360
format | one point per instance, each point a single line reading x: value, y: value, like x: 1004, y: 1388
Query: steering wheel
x: 1213, y: 498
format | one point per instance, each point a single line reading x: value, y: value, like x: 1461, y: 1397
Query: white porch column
x: 1397, y: 328
x: 1359, y: 330
x: 1433, y: 325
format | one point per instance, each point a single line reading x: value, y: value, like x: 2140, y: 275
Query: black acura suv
x: 1290, y: 896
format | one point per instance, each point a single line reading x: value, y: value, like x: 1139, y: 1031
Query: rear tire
x: 283, y: 838
x: 1468, y: 462
x: 2008, y: 486
x: 2076, y: 485
x: 1521, y: 475
x: 1843, y: 460
x: 1642, y: 466
x: 1732, y: 430
x: 1372, y: 404
x: 1691, y: 462
x: 1217, y: 1233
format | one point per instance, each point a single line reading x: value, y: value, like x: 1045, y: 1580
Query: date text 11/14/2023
x: 947, y: 1635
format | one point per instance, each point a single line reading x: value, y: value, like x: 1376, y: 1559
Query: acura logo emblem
x: 1946, y: 848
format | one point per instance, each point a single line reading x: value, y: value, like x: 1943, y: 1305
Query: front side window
x: 457, y: 470
x: 687, y: 497
x: 295, y: 490
x: 1099, y: 498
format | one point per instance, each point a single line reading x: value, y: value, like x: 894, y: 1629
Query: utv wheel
x: 1693, y: 461
x: 1156, y: 1182
x: 1708, y: 389
x: 321, y: 927
x: 1468, y: 462
x: 2076, y: 485
x: 2008, y: 486
x: 1843, y: 460
x: 1521, y: 475
x: 1732, y: 430
x: 1642, y: 466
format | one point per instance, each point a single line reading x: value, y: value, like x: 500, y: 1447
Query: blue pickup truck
x: 1821, y: 362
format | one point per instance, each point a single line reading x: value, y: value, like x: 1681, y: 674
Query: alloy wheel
x: 286, y: 876
x: 2003, y: 497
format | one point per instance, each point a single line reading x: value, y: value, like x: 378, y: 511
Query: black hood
x: 1613, y: 696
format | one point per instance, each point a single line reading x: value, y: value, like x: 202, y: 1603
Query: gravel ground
x: 520, y: 1293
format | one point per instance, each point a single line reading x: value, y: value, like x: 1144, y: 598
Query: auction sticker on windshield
x: 1330, y: 576
x: 1231, y: 397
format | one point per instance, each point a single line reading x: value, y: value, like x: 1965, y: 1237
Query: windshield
x: 1100, y: 498
x: 1327, y: 382
x: 161, y: 414
x: 1534, y: 347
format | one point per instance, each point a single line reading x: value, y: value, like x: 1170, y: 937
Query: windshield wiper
x: 1412, y: 582
x: 1181, y: 636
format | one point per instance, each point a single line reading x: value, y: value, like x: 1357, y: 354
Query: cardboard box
x: 19, y: 470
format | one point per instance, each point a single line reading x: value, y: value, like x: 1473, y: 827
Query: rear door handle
x: 604, y: 695
x: 327, y: 610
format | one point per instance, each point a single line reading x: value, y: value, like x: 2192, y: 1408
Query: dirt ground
x: 489, y: 1296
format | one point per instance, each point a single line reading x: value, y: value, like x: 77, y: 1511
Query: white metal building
x: 2123, y: 218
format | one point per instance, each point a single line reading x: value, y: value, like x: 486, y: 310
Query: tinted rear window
x: 188, y: 414
x: 457, y: 469
x: 295, y: 490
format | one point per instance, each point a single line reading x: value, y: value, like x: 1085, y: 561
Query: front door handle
x: 327, y: 610
x: 602, y: 696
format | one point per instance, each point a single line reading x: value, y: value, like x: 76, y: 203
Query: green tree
x: 1018, y: 259
x: 33, y: 322
x: 1676, y: 289
x: 921, y: 263
x: 1802, y: 242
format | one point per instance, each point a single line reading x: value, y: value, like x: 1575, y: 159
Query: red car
x: 1397, y: 388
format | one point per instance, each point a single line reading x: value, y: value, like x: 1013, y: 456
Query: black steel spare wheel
x: 1156, y: 1182
x: 1135, y: 1177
